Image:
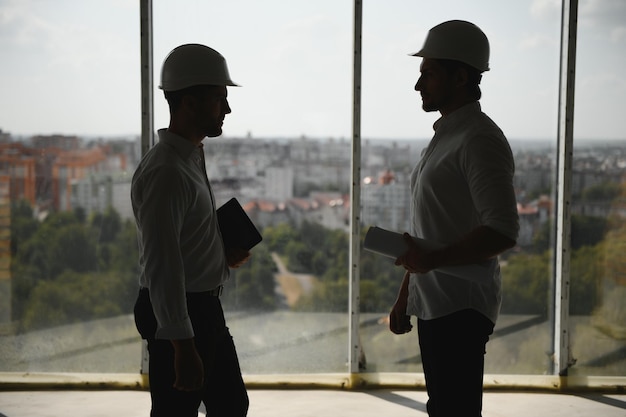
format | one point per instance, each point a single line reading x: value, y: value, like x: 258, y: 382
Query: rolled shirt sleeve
x: 489, y: 168
x: 160, y: 214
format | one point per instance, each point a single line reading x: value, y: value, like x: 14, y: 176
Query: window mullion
x: 561, y: 336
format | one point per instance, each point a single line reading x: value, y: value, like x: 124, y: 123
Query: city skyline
x: 72, y: 67
x: 298, y: 180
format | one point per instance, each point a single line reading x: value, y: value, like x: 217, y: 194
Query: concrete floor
x: 313, y: 403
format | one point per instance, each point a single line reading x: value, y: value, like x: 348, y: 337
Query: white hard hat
x: 194, y: 64
x: 457, y: 40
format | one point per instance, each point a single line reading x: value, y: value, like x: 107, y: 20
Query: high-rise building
x: 279, y: 183
x: 385, y: 202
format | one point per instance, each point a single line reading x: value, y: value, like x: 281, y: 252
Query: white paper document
x: 392, y: 245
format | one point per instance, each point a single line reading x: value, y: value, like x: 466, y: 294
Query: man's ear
x: 189, y: 103
x: 461, y: 77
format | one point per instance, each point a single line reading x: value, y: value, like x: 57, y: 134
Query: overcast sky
x: 72, y: 66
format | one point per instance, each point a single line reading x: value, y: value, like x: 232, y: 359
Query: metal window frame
x: 562, y: 359
x: 147, y: 77
x: 354, y: 341
x: 147, y: 107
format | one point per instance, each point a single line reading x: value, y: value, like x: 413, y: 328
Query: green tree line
x: 527, y: 272
x: 71, y: 267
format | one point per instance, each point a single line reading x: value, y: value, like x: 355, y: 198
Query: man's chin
x: 214, y: 134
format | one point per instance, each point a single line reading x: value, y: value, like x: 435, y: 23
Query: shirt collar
x: 183, y: 147
x: 459, y: 114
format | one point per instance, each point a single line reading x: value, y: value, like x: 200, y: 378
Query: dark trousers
x: 453, y: 357
x: 223, y: 393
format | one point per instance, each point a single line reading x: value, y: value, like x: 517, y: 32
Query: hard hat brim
x: 230, y: 84
x: 421, y: 54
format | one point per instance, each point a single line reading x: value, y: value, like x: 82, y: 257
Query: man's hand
x: 399, y: 321
x: 480, y: 244
x: 414, y: 260
x: 236, y: 257
x: 187, y: 365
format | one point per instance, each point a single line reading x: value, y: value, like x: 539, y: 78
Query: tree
x: 23, y: 225
x: 106, y: 225
x: 278, y: 237
x: 585, y: 276
x: 61, y: 272
x: 606, y: 191
x: 124, y: 250
x: 525, y: 283
x: 585, y: 231
x: 71, y: 247
x: 610, y: 313
x: 379, y: 278
x: 252, y: 285
x: 299, y: 256
x: 74, y: 297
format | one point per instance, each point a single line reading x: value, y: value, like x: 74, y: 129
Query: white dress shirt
x: 180, y: 245
x: 464, y: 180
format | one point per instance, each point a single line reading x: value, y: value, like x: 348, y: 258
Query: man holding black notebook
x: 183, y: 260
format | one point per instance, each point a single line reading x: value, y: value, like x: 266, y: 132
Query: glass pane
x: 68, y: 142
x: 521, y: 96
x: 598, y: 273
x: 285, y: 156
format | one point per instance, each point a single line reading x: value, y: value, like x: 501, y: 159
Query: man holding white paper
x: 462, y: 198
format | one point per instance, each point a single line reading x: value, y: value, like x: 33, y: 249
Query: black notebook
x: 237, y: 229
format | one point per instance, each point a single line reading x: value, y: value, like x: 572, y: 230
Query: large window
x: 520, y: 93
x: 69, y: 132
x: 70, y: 124
x: 598, y: 272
